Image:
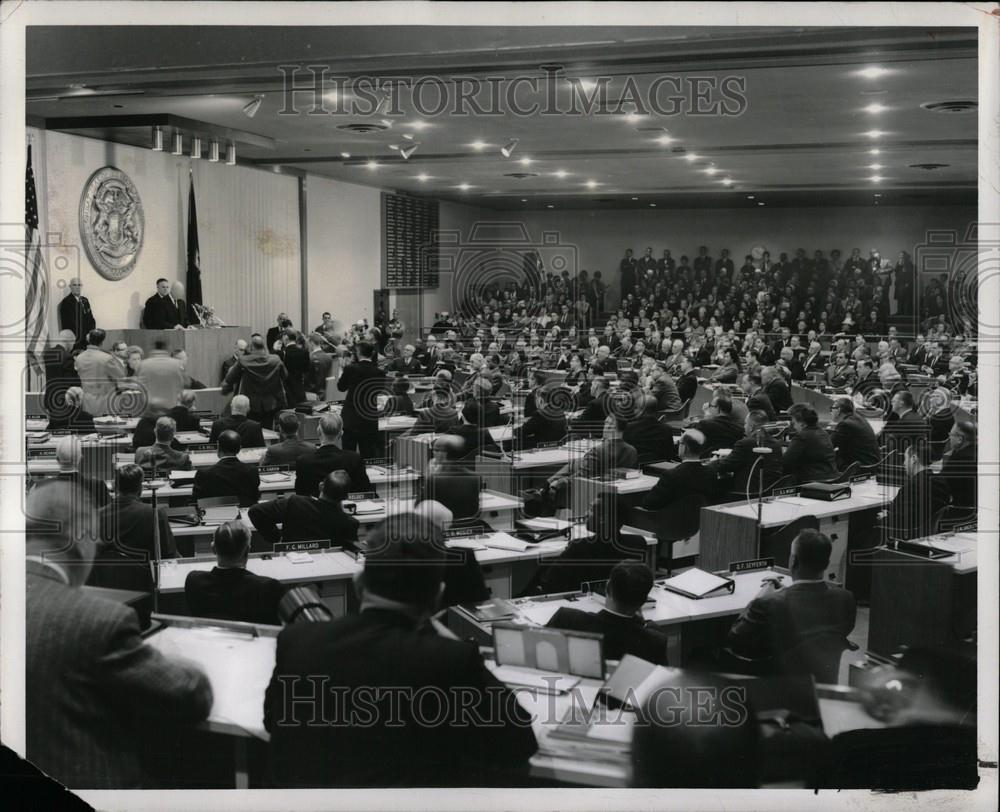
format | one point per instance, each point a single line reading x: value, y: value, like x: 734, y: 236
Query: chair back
x: 817, y: 654
x: 677, y: 521
x: 777, y: 544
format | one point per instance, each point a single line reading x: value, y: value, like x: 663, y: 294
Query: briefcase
x: 826, y: 492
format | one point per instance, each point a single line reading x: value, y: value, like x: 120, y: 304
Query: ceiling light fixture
x: 750, y: 197
x: 635, y: 198
x: 665, y: 139
x: 561, y: 173
x: 872, y: 73
x: 652, y: 205
x: 251, y: 108
x: 874, y: 166
x: 157, y: 139
x: 549, y: 206
x: 727, y: 181
x: 760, y: 202
x: 875, y: 178
x: 525, y: 161
x: 372, y: 164
x: 875, y: 151
x: 423, y: 176
x: 420, y: 125
x: 464, y: 187
x: 875, y: 108
x: 874, y: 133
x: 345, y: 155
x: 710, y: 170
x: 196, y: 148
x: 478, y: 145
x: 508, y: 149
x: 213, y: 152
x: 592, y: 184
x: 691, y: 157
x: 408, y: 150
x: 877, y: 194
x: 231, y: 155
x: 178, y: 144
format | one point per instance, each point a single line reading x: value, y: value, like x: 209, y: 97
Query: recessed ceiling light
x: 524, y: 200
x: 874, y: 166
x: 874, y: 133
x: 561, y: 173
x: 652, y: 205
x: 635, y: 198
x: 592, y: 184
x: 665, y: 139
x: 477, y: 145
x: 750, y: 197
x: 372, y: 164
x: 878, y: 194
x: 345, y: 155
x: 710, y: 170
x: 508, y: 148
x: 873, y: 72
x: 760, y: 202
x: 525, y: 161
x: 875, y: 151
x: 691, y: 157
x: 727, y: 181
x: 585, y: 84
x: 875, y: 178
x: 420, y: 125
x: 464, y: 187
x: 634, y: 118
x: 423, y: 176
x: 876, y: 108
x: 550, y: 206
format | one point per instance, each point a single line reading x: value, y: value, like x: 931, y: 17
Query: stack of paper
x: 695, y: 583
x: 505, y: 541
x: 275, y: 476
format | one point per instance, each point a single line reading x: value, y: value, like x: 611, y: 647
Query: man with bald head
x: 91, y: 682
x: 75, y: 313
x: 230, y: 476
x: 303, y: 518
x: 69, y: 456
x: 311, y: 469
x: 161, y: 456
x: 250, y: 431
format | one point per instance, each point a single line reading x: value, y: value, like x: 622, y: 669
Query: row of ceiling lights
x: 177, y: 147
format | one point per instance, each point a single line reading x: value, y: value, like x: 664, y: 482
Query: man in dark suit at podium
x: 161, y: 311
x: 75, y: 313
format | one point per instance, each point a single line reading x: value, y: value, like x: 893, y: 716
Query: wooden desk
x: 729, y: 531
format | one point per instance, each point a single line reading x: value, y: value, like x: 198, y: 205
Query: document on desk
x: 548, y: 682
x: 275, y: 476
x: 797, y: 501
x: 541, y: 612
x: 238, y: 666
x: 543, y: 524
x: 368, y: 506
x: 505, y: 541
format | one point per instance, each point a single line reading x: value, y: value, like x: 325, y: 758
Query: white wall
x: 248, y: 230
x: 344, y: 252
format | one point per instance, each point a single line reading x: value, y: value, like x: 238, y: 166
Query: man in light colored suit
x: 99, y: 375
x: 91, y: 681
x: 162, y: 378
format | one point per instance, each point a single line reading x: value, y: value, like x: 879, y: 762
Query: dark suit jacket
x: 590, y: 423
x: 778, y: 621
x: 721, y: 431
x: 742, y: 459
x: 688, y: 479
x: 854, y: 441
x: 160, y: 313
x: 233, y: 594
x: 76, y: 316
x: 587, y: 559
x: 760, y: 400
x: 813, y: 363
x: 250, y: 431
x: 261, y: 377
x: 303, y: 518
x: 911, y: 513
x: 477, y: 440
x: 311, y: 469
x: 362, y: 381
x: 779, y: 394
x: 94, y: 488
x: 622, y: 635
x: 92, y: 684
x: 228, y: 477
x: 399, y: 405
x: 651, y: 439
x: 286, y: 452
x: 76, y: 421
x: 298, y: 365
x: 374, y: 650
x: 184, y: 419
x: 539, y: 429
x: 810, y: 456
x: 162, y: 458
x: 406, y: 367
x: 126, y: 546
x: 959, y: 472
x: 687, y: 385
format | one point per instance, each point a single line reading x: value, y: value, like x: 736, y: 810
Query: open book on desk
x: 696, y: 583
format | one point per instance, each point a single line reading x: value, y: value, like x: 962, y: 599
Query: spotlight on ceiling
x: 196, y: 148
x: 213, y: 152
x: 178, y: 144
x: 231, y: 155
x: 872, y: 73
x: 157, y: 139
x: 251, y: 108
x: 691, y: 157
x: 508, y: 149
x: 408, y: 150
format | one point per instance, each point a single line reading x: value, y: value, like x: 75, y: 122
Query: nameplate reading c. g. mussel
x: 301, y: 546
x: 751, y: 564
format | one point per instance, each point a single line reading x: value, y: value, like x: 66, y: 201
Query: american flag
x: 36, y: 290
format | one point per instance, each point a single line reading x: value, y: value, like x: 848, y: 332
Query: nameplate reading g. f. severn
x: 112, y: 225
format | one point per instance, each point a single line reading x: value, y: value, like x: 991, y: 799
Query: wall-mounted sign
x: 112, y: 225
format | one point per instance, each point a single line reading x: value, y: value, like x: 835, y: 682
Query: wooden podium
x: 206, y: 348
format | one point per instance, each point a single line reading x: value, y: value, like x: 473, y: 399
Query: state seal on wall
x: 111, y: 223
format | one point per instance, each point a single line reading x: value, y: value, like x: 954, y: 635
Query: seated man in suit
x: 752, y: 387
x: 439, y: 413
x: 229, y: 476
x: 311, y: 469
x: 651, y: 439
x: 687, y: 380
x: 853, y: 438
x: 621, y: 622
x: 126, y: 546
x: 813, y: 361
x: 91, y: 682
x: 776, y: 389
x: 783, y: 618
x: 722, y: 429
x: 72, y: 417
x: 749, y: 474
x: 840, y: 373
x: 303, y: 518
x: 538, y: 380
x: 474, y: 431
x: 959, y: 465
x: 229, y: 591
x: 290, y: 448
x: 399, y: 401
x: 69, y: 457
x: 481, y: 392
x: 377, y: 660
x: 250, y: 431
x: 161, y: 456
x: 810, y: 455
x: 606, y: 458
x: 911, y: 513
x: 688, y: 479
x: 407, y: 363
x: 181, y: 413
x: 590, y: 422
x: 547, y: 425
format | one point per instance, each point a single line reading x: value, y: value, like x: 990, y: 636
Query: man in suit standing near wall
x: 75, y: 313
x: 91, y: 681
x: 362, y: 381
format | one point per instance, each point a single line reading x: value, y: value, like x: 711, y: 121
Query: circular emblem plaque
x: 111, y: 222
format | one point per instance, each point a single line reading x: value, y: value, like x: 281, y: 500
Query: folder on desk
x: 696, y: 583
x: 181, y: 477
x: 495, y: 609
x: 220, y: 514
x: 276, y: 476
